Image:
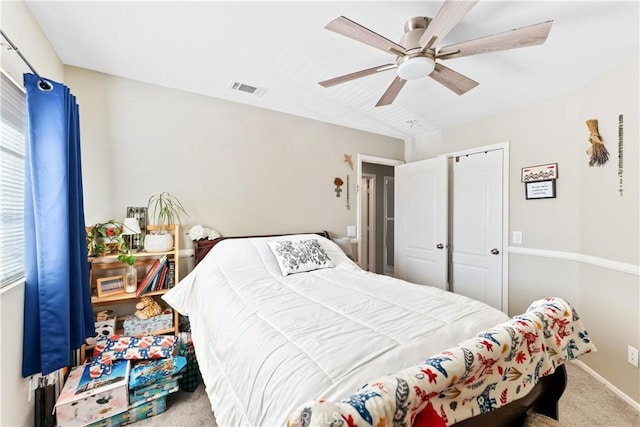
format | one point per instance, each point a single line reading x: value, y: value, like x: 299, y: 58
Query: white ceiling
x: 283, y: 47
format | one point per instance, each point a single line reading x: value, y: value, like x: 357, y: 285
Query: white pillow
x: 345, y: 244
x: 297, y: 256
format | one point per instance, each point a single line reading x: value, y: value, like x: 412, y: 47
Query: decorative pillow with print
x: 297, y: 256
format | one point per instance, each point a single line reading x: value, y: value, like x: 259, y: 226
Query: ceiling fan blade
x: 355, y: 31
x: 450, y: 13
x: 452, y: 79
x: 520, y: 37
x: 392, y: 91
x: 352, y: 76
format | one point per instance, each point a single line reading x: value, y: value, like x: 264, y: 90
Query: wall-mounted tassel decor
x: 620, y: 126
x: 597, y: 152
x: 348, y: 207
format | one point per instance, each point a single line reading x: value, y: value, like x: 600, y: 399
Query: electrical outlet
x: 632, y: 356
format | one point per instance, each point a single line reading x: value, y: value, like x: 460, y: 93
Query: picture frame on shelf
x: 112, y: 285
x: 540, y: 189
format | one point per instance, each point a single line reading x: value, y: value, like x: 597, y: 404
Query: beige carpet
x: 585, y: 403
x: 588, y: 403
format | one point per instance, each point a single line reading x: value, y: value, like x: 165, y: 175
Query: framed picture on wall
x: 540, y: 172
x: 540, y: 189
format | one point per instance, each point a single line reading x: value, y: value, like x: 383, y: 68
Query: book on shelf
x: 155, y: 285
x: 156, y: 280
x: 171, y: 274
x: 163, y: 277
x: 147, y: 280
x: 152, y: 286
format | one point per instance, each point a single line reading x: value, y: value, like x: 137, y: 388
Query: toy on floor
x: 147, y: 307
x: 105, y: 326
x: 104, y: 315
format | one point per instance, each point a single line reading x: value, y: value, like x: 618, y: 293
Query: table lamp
x: 130, y: 228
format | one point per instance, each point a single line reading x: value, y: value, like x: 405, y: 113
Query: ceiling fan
x: 416, y: 54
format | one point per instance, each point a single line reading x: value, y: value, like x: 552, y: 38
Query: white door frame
x: 504, y: 146
x: 371, y: 235
x: 364, y: 158
x: 385, y: 254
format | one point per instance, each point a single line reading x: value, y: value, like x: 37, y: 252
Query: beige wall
x: 236, y: 168
x: 588, y: 218
x: 246, y: 170
x: 21, y: 28
x: 25, y: 33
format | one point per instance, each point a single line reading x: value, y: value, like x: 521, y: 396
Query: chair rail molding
x: 586, y: 259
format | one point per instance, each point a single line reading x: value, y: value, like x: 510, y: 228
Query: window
x: 12, y: 146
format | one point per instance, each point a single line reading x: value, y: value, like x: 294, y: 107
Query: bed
x: 267, y: 343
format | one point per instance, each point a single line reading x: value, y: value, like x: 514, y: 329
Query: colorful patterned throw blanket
x: 478, y: 375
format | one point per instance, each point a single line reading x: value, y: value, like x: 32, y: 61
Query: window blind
x: 12, y: 150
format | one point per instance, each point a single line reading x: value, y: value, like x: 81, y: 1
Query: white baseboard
x: 635, y: 405
x: 185, y: 253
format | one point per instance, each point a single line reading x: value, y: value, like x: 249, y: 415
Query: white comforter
x: 267, y: 343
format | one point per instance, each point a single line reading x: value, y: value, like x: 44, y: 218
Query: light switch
x: 351, y: 231
x: 517, y: 237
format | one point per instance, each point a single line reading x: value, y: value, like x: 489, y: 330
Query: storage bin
x: 134, y: 326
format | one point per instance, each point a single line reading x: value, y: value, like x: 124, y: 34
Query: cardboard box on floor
x: 83, y: 401
x: 109, y: 402
x: 140, y: 411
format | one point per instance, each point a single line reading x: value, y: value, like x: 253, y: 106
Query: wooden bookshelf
x: 109, y: 265
x: 110, y: 299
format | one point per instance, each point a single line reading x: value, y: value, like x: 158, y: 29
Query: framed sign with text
x: 540, y: 189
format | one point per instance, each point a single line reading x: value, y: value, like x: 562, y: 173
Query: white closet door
x: 421, y: 222
x: 476, y: 226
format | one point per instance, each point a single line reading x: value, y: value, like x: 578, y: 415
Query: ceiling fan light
x: 416, y: 68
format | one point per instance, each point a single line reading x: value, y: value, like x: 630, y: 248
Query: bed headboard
x: 202, y: 247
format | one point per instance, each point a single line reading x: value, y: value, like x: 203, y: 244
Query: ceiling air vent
x: 257, y: 91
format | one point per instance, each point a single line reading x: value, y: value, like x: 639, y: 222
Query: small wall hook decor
x: 598, y: 153
x: 338, y: 183
x: 347, y: 160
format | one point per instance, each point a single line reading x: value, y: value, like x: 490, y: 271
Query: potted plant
x: 131, y: 282
x: 164, y: 210
x: 104, y: 238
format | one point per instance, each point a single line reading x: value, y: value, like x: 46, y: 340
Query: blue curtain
x: 57, y: 307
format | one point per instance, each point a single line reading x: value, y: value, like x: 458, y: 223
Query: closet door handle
x: 440, y: 246
x: 495, y: 251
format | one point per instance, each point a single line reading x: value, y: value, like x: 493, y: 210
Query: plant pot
x: 158, y: 242
x: 110, y: 245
